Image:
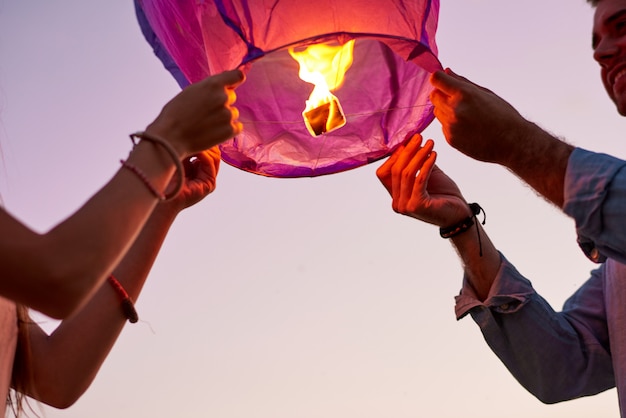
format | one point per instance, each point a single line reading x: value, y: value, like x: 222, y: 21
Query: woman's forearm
x: 66, y: 362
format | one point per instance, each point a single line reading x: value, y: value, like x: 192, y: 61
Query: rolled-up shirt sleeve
x: 595, y: 196
x: 555, y: 355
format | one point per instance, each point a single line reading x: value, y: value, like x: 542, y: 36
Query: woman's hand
x: 202, y: 115
x: 200, y: 179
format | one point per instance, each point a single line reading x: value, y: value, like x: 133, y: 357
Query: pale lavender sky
x: 305, y: 297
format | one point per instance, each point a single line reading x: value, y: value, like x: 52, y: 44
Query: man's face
x: 609, y: 49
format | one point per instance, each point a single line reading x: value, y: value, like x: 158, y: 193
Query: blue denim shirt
x: 595, y: 196
x: 580, y: 350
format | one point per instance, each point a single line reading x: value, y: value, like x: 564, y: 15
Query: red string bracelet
x: 128, y: 307
x: 143, y: 178
x: 172, y: 153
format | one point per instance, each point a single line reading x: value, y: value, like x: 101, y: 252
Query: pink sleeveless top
x: 8, y: 344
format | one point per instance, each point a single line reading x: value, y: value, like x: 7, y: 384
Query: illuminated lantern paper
x: 382, y: 99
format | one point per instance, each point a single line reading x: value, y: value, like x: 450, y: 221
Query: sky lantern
x: 330, y: 85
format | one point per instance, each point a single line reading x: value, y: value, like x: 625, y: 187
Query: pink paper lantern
x: 384, y: 96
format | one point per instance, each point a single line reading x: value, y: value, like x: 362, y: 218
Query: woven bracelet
x: 128, y: 307
x: 172, y: 153
x: 465, y: 224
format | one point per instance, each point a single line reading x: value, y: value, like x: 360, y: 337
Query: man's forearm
x: 540, y: 160
x: 480, y: 258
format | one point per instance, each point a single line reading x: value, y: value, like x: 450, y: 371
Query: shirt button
x: 594, y: 255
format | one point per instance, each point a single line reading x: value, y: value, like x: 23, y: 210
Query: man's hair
x: 594, y: 3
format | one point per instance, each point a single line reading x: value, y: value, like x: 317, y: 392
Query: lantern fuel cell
x: 324, y: 66
x: 325, y: 118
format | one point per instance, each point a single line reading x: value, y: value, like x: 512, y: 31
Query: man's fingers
x: 410, y: 172
x: 445, y: 83
x: 404, y: 158
x: 384, y: 171
x: 461, y: 81
x: 450, y: 83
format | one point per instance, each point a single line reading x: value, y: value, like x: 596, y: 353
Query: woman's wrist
x: 163, y: 145
x: 170, y: 136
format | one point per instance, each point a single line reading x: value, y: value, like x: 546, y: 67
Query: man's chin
x: 620, y: 103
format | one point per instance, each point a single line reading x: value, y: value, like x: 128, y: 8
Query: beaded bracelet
x: 128, y: 307
x: 465, y: 224
x: 172, y: 153
x: 143, y: 178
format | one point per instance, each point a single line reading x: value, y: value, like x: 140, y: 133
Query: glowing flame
x: 325, y: 67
